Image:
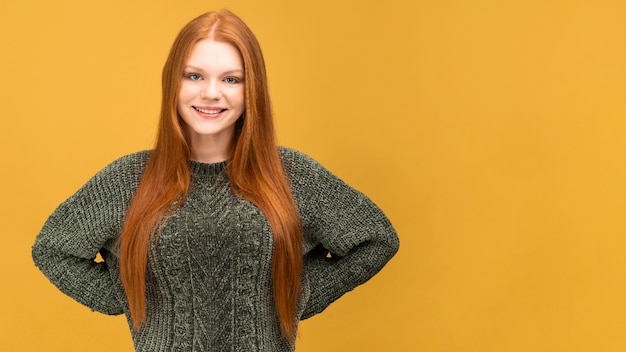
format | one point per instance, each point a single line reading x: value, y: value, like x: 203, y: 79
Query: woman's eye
x: 194, y: 77
x: 231, y: 80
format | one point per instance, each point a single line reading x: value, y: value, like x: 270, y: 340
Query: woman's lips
x: 209, y: 110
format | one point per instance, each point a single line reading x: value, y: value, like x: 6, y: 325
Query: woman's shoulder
x: 288, y: 152
x: 303, y: 169
x: 299, y: 164
x: 114, y: 182
x: 293, y: 158
x: 130, y: 162
x: 139, y: 158
x: 125, y: 168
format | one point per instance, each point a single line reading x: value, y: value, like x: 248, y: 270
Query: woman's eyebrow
x: 229, y: 72
x: 234, y: 71
x: 193, y: 68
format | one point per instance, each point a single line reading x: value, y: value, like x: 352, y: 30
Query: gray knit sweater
x: 208, y: 278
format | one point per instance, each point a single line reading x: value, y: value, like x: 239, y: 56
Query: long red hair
x: 254, y: 169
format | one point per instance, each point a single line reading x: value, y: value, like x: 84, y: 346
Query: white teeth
x: 206, y: 111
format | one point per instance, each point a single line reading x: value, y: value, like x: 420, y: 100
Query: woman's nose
x: 211, y: 91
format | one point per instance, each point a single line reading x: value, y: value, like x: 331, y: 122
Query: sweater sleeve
x: 85, y: 224
x: 348, y: 239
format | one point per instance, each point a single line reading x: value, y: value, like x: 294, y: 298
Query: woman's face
x: 211, y: 96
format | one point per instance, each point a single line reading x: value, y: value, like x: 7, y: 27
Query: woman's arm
x: 348, y: 239
x: 85, y: 224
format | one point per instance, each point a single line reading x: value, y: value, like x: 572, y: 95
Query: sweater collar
x: 205, y: 169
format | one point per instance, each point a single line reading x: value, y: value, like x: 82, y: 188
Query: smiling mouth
x: 208, y: 111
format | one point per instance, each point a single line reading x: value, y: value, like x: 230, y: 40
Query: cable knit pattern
x: 209, y: 275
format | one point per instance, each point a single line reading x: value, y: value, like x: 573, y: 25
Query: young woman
x: 216, y: 240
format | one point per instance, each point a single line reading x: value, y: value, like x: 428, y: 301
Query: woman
x: 217, y: 239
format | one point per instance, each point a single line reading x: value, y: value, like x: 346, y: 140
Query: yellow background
x: 491, y: 132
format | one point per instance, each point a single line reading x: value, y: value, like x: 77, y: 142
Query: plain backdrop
x: 492, y: 133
